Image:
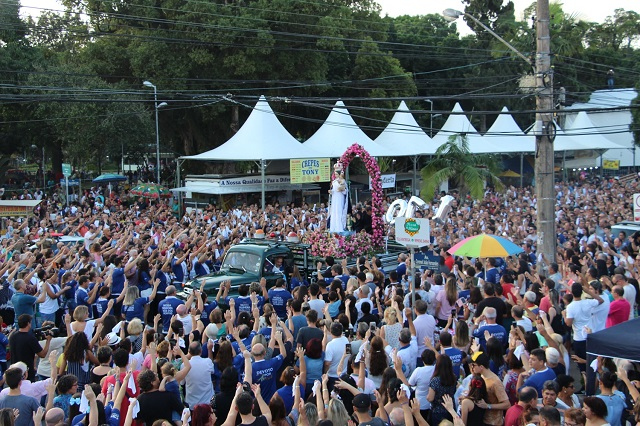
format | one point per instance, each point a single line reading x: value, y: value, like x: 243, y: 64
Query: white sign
x: 412, y: 232
x: 252, y: 180
x: 636, y: 207
x: 388, y: 181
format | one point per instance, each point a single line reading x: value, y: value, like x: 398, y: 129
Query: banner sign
x: 428, y: 260
x: 611, y: 164
x: 310, y: 170
x: 15, y: 211
x: 72, y: 182
x: 412, y: 232
x: 253, y: 180
x: 388, y: 181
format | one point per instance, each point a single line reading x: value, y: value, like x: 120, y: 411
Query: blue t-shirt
x: 117, y: 281
x: 246, y: 341
x: 616, y: 404
x: 334, y: 308
x: 314, y: 368
x: 143, y: 282
x: 243, y: 304
x: 167, y: 309
x: 298, y: 321
x: 136, y: 310
x: 23, y: 304
x: 70, y: 293
x: 206, y: 312
x: 278, y: 298
x: 264, y: 373
x: 4, y: 341
x: 237, y: 362
x: 286, y: 393
x: 295, y: 282
x: 537, y: 379
x: 496, y: 330
x: 82, y: 297
x: 100, y: 307
x: 455, y: 355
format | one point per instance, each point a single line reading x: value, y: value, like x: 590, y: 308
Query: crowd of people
x: 94, y: 331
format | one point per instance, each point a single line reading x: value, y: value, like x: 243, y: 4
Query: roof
x: 619, y: 341
x: 261, y: 137
x: 502, y: 137
x: 404, y: 135
x: 19, y: 203
x: 339, y: 132
x: 455, y: 124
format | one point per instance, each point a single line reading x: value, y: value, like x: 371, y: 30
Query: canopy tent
x: 504, y: 136
x: 456, y: 124
x: 339, y: 132
x: 405, y: 136
x: 619, y: 341
x: 583, y: 129
x: 262, y: 137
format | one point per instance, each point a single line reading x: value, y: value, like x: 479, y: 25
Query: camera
x: 48, y: 330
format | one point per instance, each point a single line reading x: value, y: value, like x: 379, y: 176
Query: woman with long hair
x: 313, y: 363
x: 278, y: 411
x: 442, y: 383
x: 461, y: 339
x: 136, y: 306
x: 446, y: 301
x: 297, y: 279
x: 336, y: 412
x: 510, y: 380
x: 471, y: 413
x: 391, y: 330
x: 495, y: 352
x: 78, y: 358
x: 287, y: 378
x: 388, y: 398
x: 222, y: 401
x: 8, y: 416
x: 378, y: 360
x: 81, y: 322
x: 224, y: 359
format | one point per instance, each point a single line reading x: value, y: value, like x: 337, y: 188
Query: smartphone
x: 372, y: 326
x: 476, y: 340
x: 348, y: 349
x: 454, y: 312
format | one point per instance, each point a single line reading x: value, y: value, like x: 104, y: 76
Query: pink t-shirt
x: 545, y: 304
x: 445, y: 308
x: 618, y: 312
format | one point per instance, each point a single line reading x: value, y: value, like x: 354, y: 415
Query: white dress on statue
x: 338, y: 206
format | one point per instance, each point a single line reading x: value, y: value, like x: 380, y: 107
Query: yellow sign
x: 15, y: 211
x: 310, y: 170
x: 611, y: 164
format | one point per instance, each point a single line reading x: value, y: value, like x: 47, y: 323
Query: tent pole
x: 262, y: 172
x: 564, y: 165
x: 415, y: 175
x: 178, y: 184
x: 521, y: 167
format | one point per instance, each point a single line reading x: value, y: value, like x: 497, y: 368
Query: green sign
x: 66, y: 169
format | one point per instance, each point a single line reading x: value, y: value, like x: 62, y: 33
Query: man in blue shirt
x: 167, y: 307
x: 295, y: 319
x: 24, y: 303
x: 264, y: 371
x: 278, y: 297
x: 495, y: 330
x: 454, y: 354
x: 84, y: 296
x: 539, y: 374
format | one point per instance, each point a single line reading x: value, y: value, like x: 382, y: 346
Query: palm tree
x: 454, y: 162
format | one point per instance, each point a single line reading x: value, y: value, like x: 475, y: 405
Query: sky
x: 588, y: 10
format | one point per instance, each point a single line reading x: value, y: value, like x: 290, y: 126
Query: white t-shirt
x: 198, y: 381
x: 526, y: 324
x: 580, y: 311
x: 599, y: 314
x: 333, y: 353
x: 317, y: 305
x: 49, y: 306
x: 420, y: 378
x: 630, y: 295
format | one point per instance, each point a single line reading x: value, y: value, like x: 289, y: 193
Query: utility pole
x: 545, y: 135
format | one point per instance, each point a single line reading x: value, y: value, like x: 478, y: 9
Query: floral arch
x: 371, y: 164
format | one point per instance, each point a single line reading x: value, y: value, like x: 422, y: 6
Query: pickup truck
x: 250, y: 261
x: 253, y: 259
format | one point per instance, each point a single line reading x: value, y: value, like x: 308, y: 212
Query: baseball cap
x: 362, y: 401
x: 480, y: 358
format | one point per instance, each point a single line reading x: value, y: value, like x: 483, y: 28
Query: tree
x: 468, y: 172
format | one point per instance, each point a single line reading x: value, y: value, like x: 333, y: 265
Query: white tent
x: 504, y: 136
x: 583, y: 129
x: 455, y: 125
x: 339, y: 132
x: 404, y: 135
x: 261, y: 137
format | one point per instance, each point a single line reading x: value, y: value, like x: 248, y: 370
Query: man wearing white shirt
x: 333, y: 353
x: 408, y: 349
x: 577, y: 316
x: 629, y: 292
x: 425, y: 326
x: 600, y: 313
x: 363, y: 297
x: 198, y: 381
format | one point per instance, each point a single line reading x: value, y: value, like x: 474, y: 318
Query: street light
x: 156, y: 105
x: 544, y: 128
x: 430, y: 117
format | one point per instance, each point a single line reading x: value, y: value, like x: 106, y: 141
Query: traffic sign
x: 66, y: 169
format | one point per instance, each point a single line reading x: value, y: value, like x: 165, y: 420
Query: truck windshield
x: 242, y: 260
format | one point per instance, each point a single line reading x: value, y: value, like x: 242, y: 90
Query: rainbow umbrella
x: 485, y: 245
x: 150, y: 190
